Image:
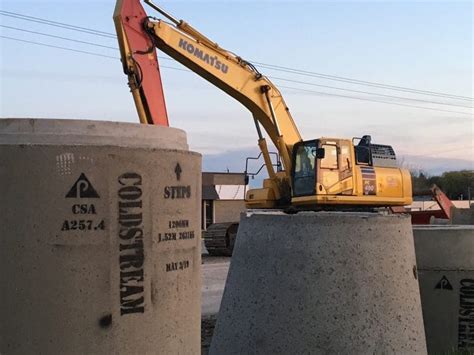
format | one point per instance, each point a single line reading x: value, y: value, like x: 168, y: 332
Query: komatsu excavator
x: 332, y: 173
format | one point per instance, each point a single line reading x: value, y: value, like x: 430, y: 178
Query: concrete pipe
x: 321, y: 283
x: 99, y: 238
x: 445, y: 257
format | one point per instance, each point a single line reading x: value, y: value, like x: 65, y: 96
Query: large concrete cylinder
x: 99, y: 238
x: 445, y: 257
x: 321, y: 283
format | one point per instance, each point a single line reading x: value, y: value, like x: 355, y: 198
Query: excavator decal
x: 208, y: 59
x: 369, y: 179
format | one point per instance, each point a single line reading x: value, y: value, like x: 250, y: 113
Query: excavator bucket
x: 141, y: 62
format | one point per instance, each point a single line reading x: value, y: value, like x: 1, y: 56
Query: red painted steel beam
x: 132, y: 16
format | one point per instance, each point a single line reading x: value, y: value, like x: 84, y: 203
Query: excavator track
x: 219, y: 238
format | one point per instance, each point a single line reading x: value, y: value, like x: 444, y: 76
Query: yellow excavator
x: 322, y: 173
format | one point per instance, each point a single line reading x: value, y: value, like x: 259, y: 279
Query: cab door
x: 328, y: 176
x: 346, y: 177
x: 335, y: 169
x: 304, y: 168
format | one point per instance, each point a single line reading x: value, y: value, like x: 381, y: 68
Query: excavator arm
x: 140, y: 63
x: 139, y: 34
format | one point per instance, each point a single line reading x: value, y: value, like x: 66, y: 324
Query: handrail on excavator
x: 161, y: 11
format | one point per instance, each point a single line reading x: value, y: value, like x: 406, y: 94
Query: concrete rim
x: 444, y: 227
x: 90, y: 132
x: 324, y: 215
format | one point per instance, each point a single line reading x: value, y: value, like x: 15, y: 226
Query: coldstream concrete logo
x: 466, y: 315
x: 82, y: 188
x: 131, y: 252
x: 198, y: 53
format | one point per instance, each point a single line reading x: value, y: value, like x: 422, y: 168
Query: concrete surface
x: 321, y: 283
x: 87, y: 256
x: 445, y: 257
x: 214, y: 275
x: 463, y: 216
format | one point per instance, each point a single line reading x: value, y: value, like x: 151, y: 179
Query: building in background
x: 223, y: 197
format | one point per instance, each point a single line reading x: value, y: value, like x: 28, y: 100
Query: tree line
x: 457, y: 185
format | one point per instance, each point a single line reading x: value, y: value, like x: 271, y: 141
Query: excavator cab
x: 322, y: 166
x: 333, y: 171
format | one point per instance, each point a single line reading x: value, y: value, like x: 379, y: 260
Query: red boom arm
x: 141, y: 64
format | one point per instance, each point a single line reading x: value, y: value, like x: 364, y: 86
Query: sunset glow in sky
x: 426, y: 45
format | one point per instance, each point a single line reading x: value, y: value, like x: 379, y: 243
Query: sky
x: 425, y: 45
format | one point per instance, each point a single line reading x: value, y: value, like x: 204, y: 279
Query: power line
x: 71, y: 39
x: 360, y: 82
x: 59, y: 37
x: 9, y: 13
x: 57, y: 24
x: 286, y: 87
x: 78, y: 51
x: 378, y: 101
x: 59, y: 47
x: 275, y: 78
x: 368, y: 92
x: 264, y: 65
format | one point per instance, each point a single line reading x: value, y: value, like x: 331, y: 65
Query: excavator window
x: 362, y: 151
x: 362, y: 155
x: 304, y: 168
x: 330, y: 158
x: 345, y: 157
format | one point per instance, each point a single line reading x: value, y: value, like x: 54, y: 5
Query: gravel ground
x: 207, y: 329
